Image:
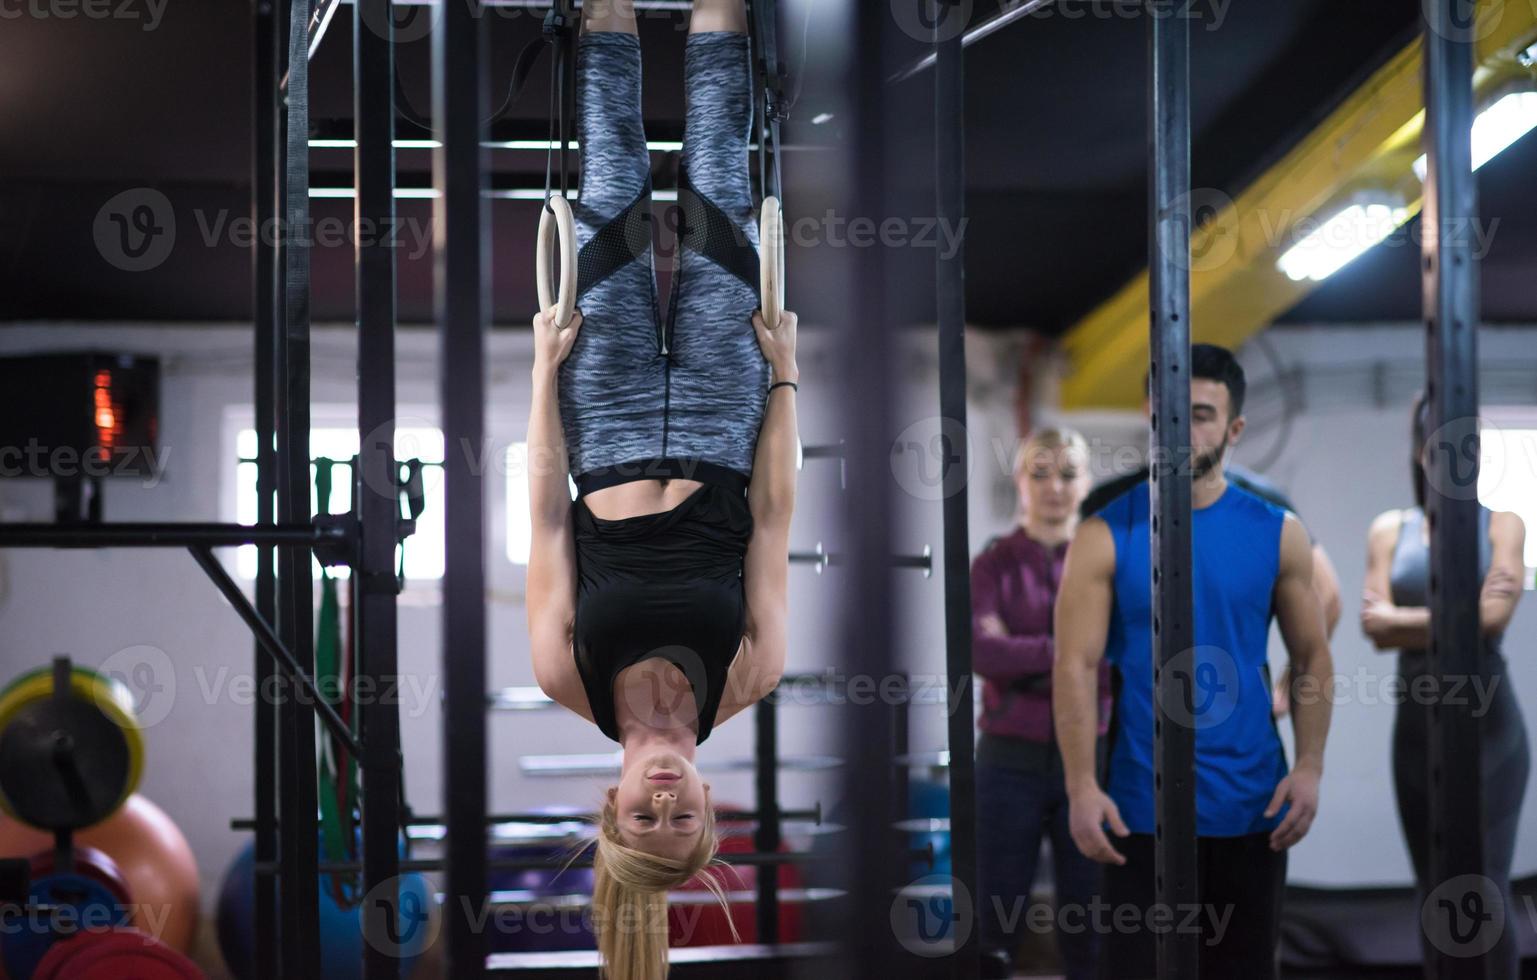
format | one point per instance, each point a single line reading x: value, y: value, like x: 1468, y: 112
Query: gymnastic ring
x: 771, y: 262
x: 556, y: 231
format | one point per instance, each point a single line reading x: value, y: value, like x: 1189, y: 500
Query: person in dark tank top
x: 1395, y: 617
x: 656, y: 599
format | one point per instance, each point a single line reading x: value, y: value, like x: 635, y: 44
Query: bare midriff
x: 639, y: 497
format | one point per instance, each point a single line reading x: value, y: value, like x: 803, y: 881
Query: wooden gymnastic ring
x: 557, y: 230
x: 771, y: 264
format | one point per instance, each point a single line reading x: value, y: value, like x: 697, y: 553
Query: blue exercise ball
x: 341, y: 929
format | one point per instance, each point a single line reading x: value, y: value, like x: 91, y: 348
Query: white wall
x: 1342, y: 463
x: 93, y: 604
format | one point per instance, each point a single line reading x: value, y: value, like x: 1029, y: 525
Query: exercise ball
x: 695, y: 917
x: 540, y: 909
x: 341, y: 929
x: 150, y: 852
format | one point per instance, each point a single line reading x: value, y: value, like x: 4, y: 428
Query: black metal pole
x: 268, y: 641
x: 1450, y: 281
x: 462, y: 245
x: 375, y: 482
x: 865, y: 400
x: 299, y: 851
x: 769, y: 99
x: 264, y: 307
x: 767, y: 837
x: 1174, y: 863
x: 166, y: 535
x: 950, y: 272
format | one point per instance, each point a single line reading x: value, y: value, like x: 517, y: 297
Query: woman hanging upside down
x: 656, y: 600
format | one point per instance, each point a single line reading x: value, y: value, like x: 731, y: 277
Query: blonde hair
x: 629, y: 896
x: 1049, y: 439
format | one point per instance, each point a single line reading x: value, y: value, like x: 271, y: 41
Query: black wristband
x: 776, y: 384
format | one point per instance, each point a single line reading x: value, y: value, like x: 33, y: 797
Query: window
x: 1507, y: 479
x: 423, y: 550
x: 518, y: 531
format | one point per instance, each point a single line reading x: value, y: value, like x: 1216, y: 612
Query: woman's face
x: 1052, y: 483
x: 660, y: 803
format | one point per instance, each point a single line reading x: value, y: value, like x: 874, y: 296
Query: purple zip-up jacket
x: 1015, y: 578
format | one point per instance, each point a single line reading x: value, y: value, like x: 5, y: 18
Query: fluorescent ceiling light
x: 1332, y: 246
x: 1494, y: 129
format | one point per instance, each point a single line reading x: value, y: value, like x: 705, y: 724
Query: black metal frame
x: 462, y: 246
x: 950, y: 277
x: 1169, y: 487
x: 265, y: 291
x: 1451, y: 301
x: 288, y: 943
x: 865, y: 398
x: 376, y: 493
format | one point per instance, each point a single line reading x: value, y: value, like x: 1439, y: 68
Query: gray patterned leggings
x: 645, y: 395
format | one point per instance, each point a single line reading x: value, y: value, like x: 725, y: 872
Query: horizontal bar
x: 429, y: 194
x: 524, y: 898
x: 586, y: 961
x: 183, y: 535
x: 721, y: 816
x: 545, y: 4
x: 923, y: 760
x: 751, y: 859
x: 607, y: 763
x: 834, y: 450
x: 997, y: 22
x: 528, y: 145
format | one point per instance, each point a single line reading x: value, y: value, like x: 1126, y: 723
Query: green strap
x: 338, y: 797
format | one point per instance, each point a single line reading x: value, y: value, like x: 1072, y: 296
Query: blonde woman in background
x: 1021, y: 796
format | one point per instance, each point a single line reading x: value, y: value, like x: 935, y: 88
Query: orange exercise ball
x: 153, y: 856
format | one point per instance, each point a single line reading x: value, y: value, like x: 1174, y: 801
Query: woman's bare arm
x: 771, y: 498
x: 1393, y: 627
x: 550, y: 594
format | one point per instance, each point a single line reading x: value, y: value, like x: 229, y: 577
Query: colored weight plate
x: 121, y: 954
x: 91, y: 863
x: 109, y: 750
x: 102, y: 686
x: 78, y: 903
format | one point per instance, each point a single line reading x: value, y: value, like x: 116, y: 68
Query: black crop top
x: 661, y: 585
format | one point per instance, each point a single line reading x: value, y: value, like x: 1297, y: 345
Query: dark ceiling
x: 1056, y: 153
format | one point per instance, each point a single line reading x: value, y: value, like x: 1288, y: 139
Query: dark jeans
x: 1240, y: 881
x: 1015, y: 810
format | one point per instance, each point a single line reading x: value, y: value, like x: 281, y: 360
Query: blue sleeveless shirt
x: 1236, y: 548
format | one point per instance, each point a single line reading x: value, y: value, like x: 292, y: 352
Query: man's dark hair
x: 1212, y: 363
